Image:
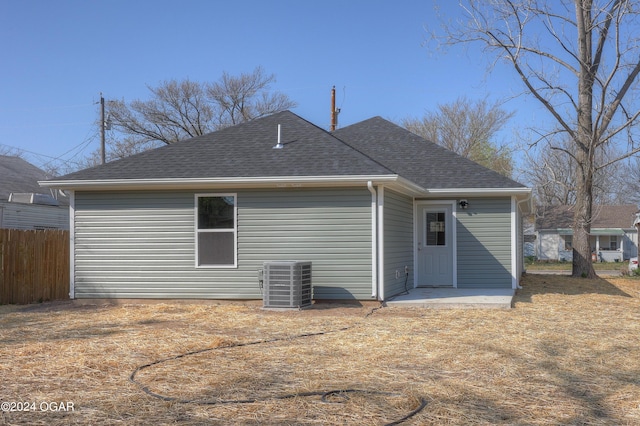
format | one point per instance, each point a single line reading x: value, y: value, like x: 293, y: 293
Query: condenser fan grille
x: 287, y: 284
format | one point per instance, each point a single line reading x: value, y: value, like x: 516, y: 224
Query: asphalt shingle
x: 245, y: 150
x: 19, y: 176
x: 423, y: 162
x: 374, y: 147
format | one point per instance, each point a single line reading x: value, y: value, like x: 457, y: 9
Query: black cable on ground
x: 324, y: 395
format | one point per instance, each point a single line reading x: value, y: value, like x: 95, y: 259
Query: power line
x: 91, y: 135
x: 25, y: 150
x: 81, y: 147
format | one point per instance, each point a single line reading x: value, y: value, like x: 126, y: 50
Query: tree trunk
x: 585, y: 145
x: 582, y: 263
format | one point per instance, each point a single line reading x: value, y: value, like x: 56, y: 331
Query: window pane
x: 216, y: 213
x: 436, y: 229
x: 568, y: 242
x: 216, y: 248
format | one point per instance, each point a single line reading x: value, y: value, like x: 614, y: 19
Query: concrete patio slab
x: 438, y: 297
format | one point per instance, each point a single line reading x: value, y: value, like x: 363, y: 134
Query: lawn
x: 566, y: 354
x: 622, y: 267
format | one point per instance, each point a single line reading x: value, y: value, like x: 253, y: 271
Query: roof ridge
x: 332, y: 134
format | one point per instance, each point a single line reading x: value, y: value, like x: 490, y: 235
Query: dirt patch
x: 54, y: 306
x: 566, y: 354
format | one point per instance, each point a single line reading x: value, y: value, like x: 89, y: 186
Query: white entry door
x: 435, y: 245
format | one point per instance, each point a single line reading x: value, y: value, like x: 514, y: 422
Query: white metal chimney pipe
x: 279, y: 144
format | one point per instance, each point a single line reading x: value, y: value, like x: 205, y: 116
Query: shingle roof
x: 245, y: 150
x: 373, y: 147
x: 19, y: 176
x: 561, y: 217
x: 423, y: 162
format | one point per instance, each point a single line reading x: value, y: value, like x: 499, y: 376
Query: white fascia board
x: 241, y: 182
x: 479, y: 192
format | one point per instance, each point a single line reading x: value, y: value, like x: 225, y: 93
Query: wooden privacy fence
x: 35, y: 266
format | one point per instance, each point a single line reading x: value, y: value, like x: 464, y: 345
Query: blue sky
x: 57, y: 56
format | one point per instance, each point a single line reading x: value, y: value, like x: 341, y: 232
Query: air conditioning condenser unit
x: 287, y: 285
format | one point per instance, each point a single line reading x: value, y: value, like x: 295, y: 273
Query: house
x: 614, y: 237
x: 26, y: 205
x: 374, y: 208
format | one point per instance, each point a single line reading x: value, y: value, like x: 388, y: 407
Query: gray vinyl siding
x: 33, y: 216
x: 398, y: 242
x: 142, y: 244
x: 484, y: 244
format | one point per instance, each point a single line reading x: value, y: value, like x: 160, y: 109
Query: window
x: 613, y: 242
x: 568, y: 242
x: 216, y: 243
x: 436, y: 229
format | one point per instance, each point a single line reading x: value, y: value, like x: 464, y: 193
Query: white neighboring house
x: 614, y: 237
x: 26, y: 205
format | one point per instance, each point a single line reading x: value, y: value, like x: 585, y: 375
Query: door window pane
x: 436, y: 229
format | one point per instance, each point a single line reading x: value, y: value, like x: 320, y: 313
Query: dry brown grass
x: 569, y: 353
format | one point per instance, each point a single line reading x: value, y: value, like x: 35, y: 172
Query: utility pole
x: 334, y: 111
x: 102, y: 128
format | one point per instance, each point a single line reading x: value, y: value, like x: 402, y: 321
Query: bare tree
x: 629, y: 189
x: 467, y: 128
x: 179, y: 110
x: 552, y: 177
x: 580, y: 59
x: 552, y: 173
x: 238, y: 99
x: 11, y: 151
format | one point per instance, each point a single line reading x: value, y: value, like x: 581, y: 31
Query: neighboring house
x: 198, y: 218
x: 529, y: 231
x: 24, y: 204
x: 614, y: 237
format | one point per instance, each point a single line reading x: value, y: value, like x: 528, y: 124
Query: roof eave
x: 239, y: 182
x: 521, y: 192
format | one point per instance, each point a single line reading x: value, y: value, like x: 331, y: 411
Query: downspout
x: 517, y: 209
x: 72, y: 245
x: 380, y: 235
x: 374, y: 240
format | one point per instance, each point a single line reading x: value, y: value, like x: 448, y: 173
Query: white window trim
x: 198, y: 231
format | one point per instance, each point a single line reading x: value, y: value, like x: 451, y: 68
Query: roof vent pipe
x: 279, y: 144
